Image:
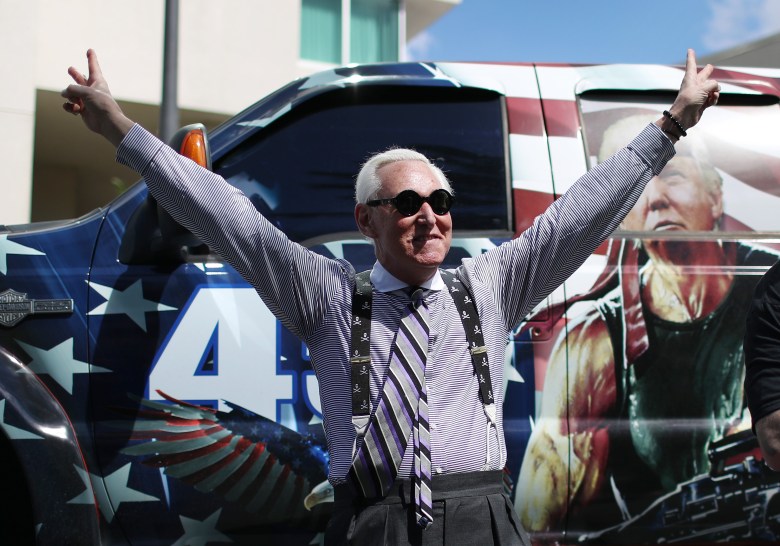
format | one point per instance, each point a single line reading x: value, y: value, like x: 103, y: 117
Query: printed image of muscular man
x: 643, y: 408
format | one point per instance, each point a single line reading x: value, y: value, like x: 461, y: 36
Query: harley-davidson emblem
x: 14, y: 306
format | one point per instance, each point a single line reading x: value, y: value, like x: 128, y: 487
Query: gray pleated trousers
x: 468, y: 509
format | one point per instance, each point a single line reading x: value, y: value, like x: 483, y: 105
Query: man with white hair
x: 425, y: 427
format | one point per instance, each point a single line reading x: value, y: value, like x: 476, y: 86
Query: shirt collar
x: 383, y: 281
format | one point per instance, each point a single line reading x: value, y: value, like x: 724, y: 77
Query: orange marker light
x: 194, y: 147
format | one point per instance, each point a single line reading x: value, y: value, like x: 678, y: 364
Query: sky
x: 593, y: 31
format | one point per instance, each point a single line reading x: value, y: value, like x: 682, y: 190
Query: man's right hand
x: 698, y: 91
x: 91, y: 99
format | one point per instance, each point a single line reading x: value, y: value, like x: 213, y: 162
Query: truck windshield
x: 299, y: 171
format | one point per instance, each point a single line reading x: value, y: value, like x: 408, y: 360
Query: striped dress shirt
x: 311, y: 294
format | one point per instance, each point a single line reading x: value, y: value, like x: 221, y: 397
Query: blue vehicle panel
x: 148, y: 396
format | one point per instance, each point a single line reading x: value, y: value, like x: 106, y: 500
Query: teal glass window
x: 374, y: 31
x: 321, y: 30
x: 372, y: 34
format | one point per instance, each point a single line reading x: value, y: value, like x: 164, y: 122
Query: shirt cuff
x: 138, y: 149
x: 654, y: 147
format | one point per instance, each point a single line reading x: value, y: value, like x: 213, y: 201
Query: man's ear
x: 364, y: 220
x: 717, y: 205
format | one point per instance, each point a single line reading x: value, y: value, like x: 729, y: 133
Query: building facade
x: 230, y: 54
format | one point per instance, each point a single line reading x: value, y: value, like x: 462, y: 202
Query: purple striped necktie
x: 402, y: 411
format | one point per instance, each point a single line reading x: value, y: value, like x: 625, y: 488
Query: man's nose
x: 656, y: 195
x: 426, y: 214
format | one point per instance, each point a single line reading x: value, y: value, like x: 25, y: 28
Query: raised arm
x: 296, y: 284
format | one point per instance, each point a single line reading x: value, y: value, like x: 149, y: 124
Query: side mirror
x: 151, y: 234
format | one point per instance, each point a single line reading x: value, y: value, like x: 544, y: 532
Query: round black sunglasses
x: 408, y: 202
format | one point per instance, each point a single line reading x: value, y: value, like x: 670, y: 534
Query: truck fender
x: 41, y: 439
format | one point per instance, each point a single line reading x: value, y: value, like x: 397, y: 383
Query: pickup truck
x: 147, y: 396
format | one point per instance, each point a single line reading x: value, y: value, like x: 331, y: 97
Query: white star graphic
x: 58, y: 362
x: 88, y: 495
x: 200, y: 533
x: 129, y: 301
x: 15, y: 433
x: 110, y: 496
x: 9, y: 247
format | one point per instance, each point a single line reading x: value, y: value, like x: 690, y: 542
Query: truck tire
x: 16, y: 515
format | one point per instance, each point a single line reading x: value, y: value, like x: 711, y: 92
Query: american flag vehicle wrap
x: 148, y: 396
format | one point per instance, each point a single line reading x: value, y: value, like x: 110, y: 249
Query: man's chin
x: 672, y: 251
x: 429, y: 259
x: 432, y: 262
x: 433, y: 251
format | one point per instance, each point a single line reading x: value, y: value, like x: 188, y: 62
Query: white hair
x: 621, y: 132
x: 368, y: 183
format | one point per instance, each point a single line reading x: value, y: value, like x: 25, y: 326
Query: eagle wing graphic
x: 239, y: 455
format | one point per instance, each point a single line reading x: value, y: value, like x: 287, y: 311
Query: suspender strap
x: 471, y: 325
x: 479, y: 356
x: 360, y: 359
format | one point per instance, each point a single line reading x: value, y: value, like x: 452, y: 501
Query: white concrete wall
x: 234, y: 52
x: 231, y: 52
x: 17, y: 108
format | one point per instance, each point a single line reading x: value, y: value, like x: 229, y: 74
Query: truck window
x: 730, y: 163
x: 300, y: 170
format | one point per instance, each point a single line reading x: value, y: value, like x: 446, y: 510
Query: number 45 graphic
x: 225, y: 346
